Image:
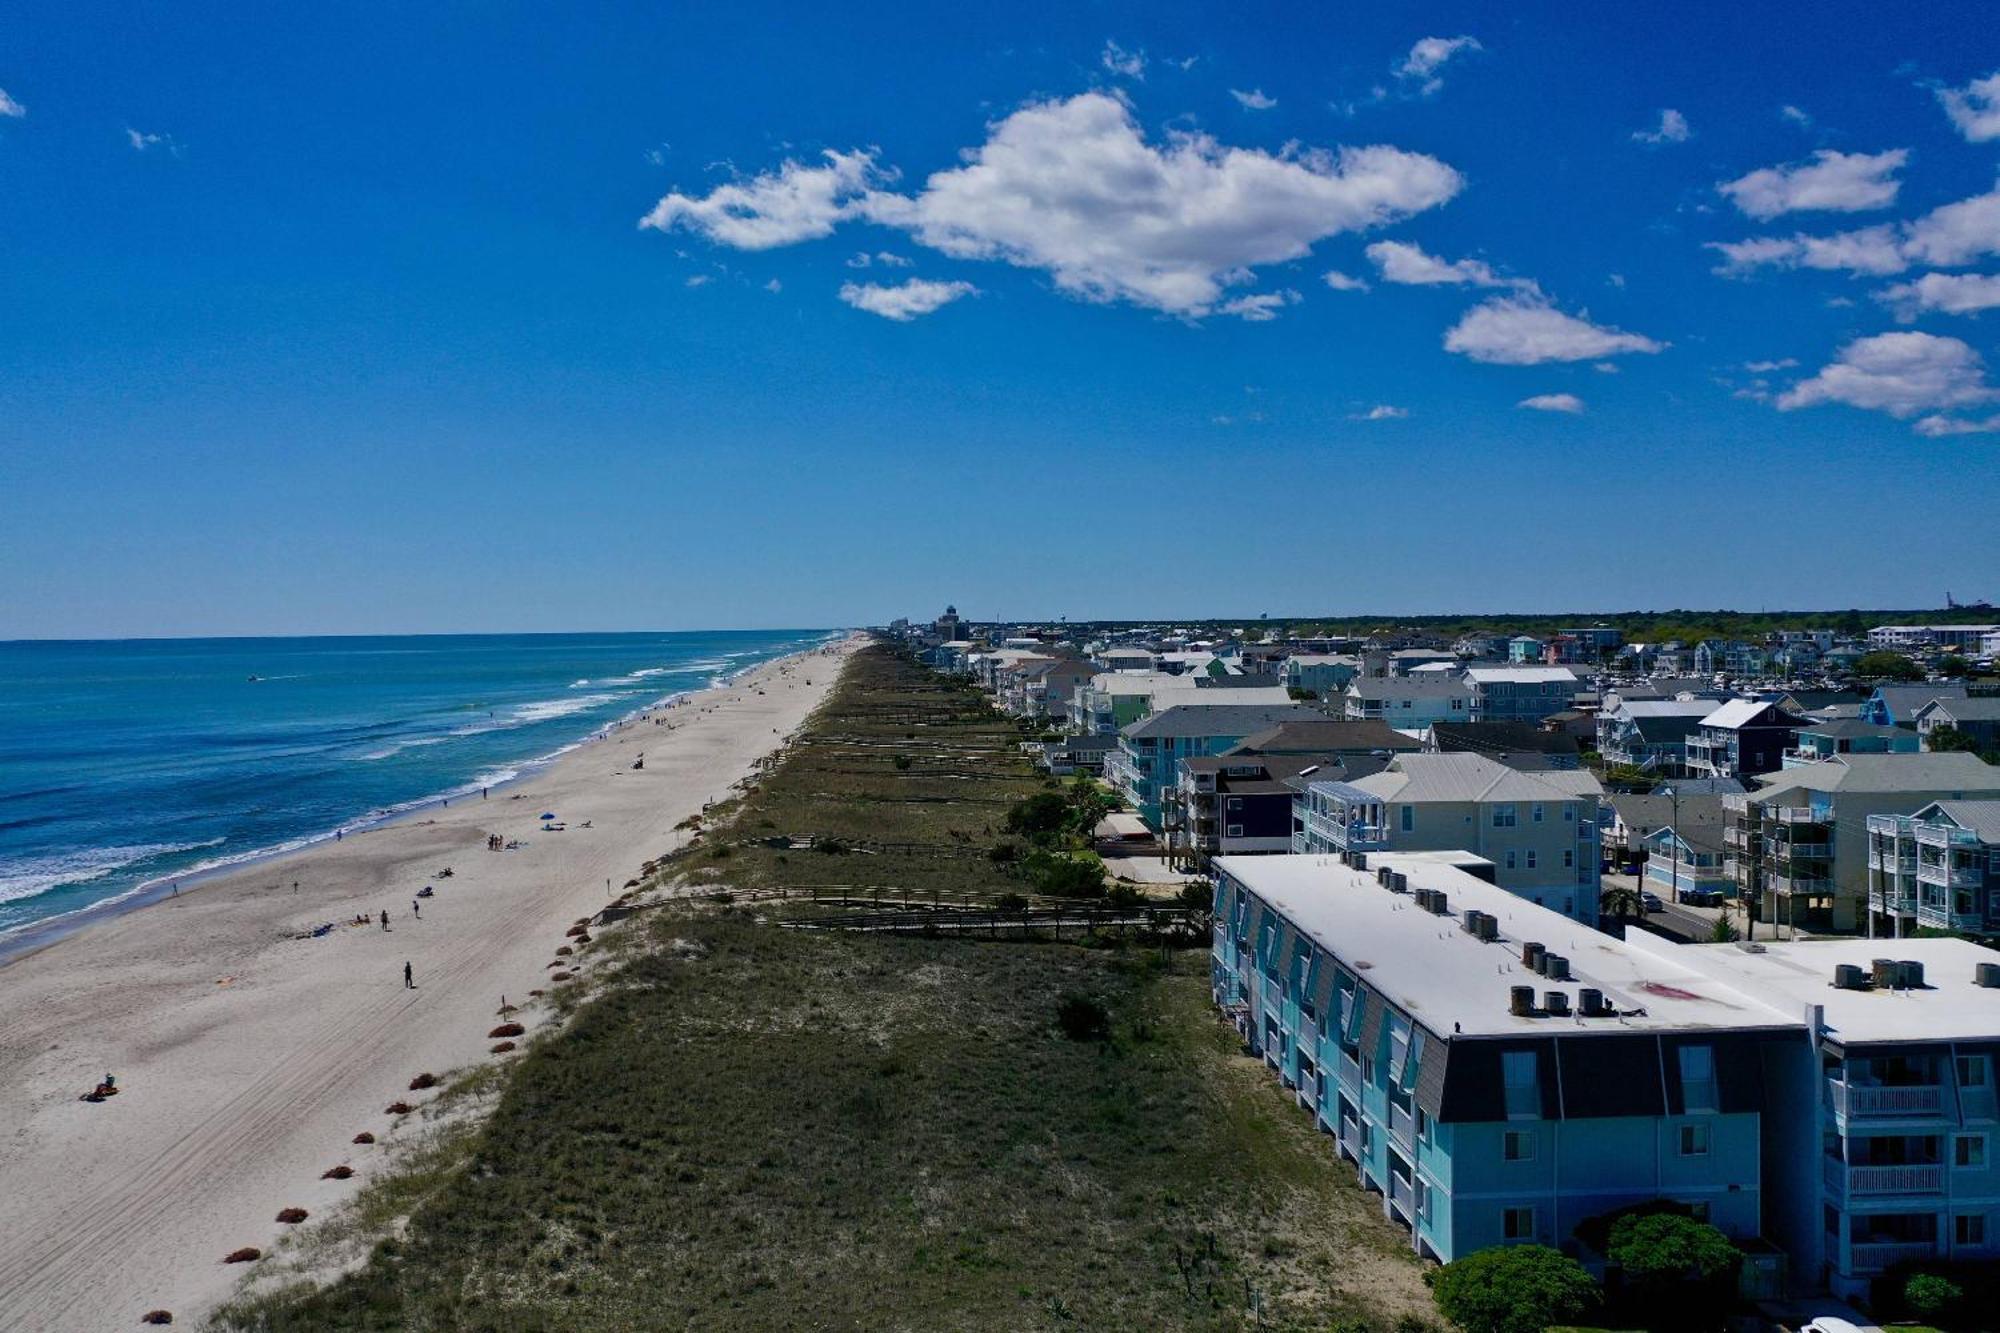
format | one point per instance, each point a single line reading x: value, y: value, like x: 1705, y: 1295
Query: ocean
x: 126, y: 766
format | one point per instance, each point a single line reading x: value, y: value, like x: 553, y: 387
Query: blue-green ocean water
x: 126, y: 765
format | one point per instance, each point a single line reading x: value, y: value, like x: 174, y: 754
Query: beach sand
x: 248, y: 1059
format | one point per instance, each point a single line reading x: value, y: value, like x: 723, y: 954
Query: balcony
x: 1872, y: 1256
x: 1856, y: 1182
x: 1401, y: 1127
x: 1350, y: 1073
x: 1901, y: 904
x: 1790, y: 814
x: 1402, y: 1197
x: 1856, y: 1101
x: 1809, y: 886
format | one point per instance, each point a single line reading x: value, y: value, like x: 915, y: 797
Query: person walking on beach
x: 409, y: 979
x: 385, y: 918
x: 416, y: 909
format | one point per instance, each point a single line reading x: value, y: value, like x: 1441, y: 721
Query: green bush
x: 1082, y: 1018
x: 1681, y: 1270
x: 1064, y: 877
x: 1932, y: 1298
x: 1124, y: 895
x: 1003, y: 853
x: 1513, y: 1289
x: 1044, y: 812
x: 902, y: 763
x: 1011, y: 902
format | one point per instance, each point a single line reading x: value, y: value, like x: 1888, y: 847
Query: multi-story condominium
x: 1520, y: 693
x: 1593, y: 641
x: 1538, y: 829
x: 1501, y: 1075
x: 1684, y: 856
x: 1956, y: 638
x: 1497, y: 1073
x: 1147, y: 761
x: 1650, y: 733
x: 1409, y: 703
x: 1524, y: 648
x: 1323, y: 674
x: 1740, y: 739
x: 1978, y: 720
x: 1820, y: 741
x: 1938, y: 868
x: 1798, y: 845
x: 1116, y: 699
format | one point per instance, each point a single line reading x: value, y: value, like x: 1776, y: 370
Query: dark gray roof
x: 1970, y: 710
x: 1218, y: 719
x: 1849, y: 728
x: 1494, y: 737
x: 1319, y: 734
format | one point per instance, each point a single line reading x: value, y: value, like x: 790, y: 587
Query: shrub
x: 364, y: 1137
x: 1063, y: 877
x: 500, y: 1047
x: 1197, y: 896
x: 507, y: 1030
x: 422, y: 1081
x: 1011, y: 902
x: 1044, y: 812
x: 902, y: 763
x: 248, y: 1254
x: 292, y: 1215
x: 399, y: 1108
x: 1082, y: 1018
x: 1932, y: 1298
x: 1124, y: 895
x: 1513, y: 1289
x: 337, y: 1173
x: 1681, y: 1269
x: 1003, y: 853
x: 156, y: 1317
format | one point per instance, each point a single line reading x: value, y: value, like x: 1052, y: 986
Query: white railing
x: 1868, y: 1256
x: 1844, y: 1181
x: 1920, y: 1099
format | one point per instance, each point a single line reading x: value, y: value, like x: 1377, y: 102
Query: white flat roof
x: 1799, y: 973
x: 1450, y: 981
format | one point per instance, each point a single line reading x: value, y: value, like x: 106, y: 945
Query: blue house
x: 1146, y: 763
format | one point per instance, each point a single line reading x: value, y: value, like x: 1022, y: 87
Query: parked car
x: 1651, y: 902
x: 1702, y: 897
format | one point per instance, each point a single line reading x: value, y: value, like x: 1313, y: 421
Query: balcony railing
x: 1844, y: 1181
x: 1790, y: 814
x: 1402, y: 1196
x: 1903, y: 904
x: 1855, y: 1100
x: 1868, y: 1256
x: 1401, y: 1127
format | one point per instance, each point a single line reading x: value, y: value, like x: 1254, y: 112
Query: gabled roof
x: 1850, y: 728
x: 1493, y: 737
x: 1420, y: 778
x: 1324, y: 735
x: 1980, y: 817
x: 1965, y: 710
x: 1430, y: 685
x: 1520, y: 675
x: 1739, y: 713
x: 1217, y: 720
x: 1956, y: 771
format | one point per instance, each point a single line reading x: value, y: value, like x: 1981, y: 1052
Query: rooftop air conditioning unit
x: 1557, y: 1003
x: 1521, y: 1001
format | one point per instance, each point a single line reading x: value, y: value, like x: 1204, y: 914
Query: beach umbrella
x: 548, y: 814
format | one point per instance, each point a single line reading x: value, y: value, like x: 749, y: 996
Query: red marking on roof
x: 1665, y: 991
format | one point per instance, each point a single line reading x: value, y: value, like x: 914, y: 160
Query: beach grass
x: 748, y: 1125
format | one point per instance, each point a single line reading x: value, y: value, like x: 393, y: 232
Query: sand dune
x: 248, y: 1059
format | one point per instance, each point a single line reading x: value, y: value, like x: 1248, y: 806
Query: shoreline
x: 250, y: 1050
x: 32, y: 937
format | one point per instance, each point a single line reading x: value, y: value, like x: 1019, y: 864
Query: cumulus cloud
x: 1553, y: 402
x: 9, y: 108
x: 1832, y: 182
x: 1259, y: 307
x: 1947, y: 293
x: 1409, y: 265
x: 1673, y: 128
x: 1343, y: 282
x: 1129, y: 64
x: 904, y: 301
x: 1766, y: 367
x: 774, y: 286
x: 1795, y: 115
x: 1527, y: 331
x: 1254, y: 100
x: 794, y: 203
x: 1946, y: 237
x: 141, y: 142
x: 1975, y: 108
x: 1898, y: 373
x: 1430, y: 55
x: 1072, y: 188
x: 1380, y: 412
x: 699, y: 280
x: 1937, y: 427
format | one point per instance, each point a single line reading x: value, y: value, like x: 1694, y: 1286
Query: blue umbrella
x: 548, y: 814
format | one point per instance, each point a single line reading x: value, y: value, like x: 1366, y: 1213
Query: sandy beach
x: 247, y: 1058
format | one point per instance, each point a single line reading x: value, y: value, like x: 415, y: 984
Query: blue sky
x: 329, y: 320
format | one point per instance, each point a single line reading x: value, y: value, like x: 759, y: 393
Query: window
x: 1969, y: 1150
x: 1697, y: 1064
x: 1694, y: 1141
x: 1423, y: 1125
x: 1235, y: 831
x: 1409, y: 818
x: 1518, y: 1145
x: 1531, y: 858
x: 1971, y: 1071
x: 1510, y: 858
x: 1535, y: 812
x: 1522, y: 1085
x: 1503, y: 816
x: 1517, y: 1223
x: 1569, y: 813
x: 1569, y: 859
x: 1235, y: 804
x: 1969, y: 1229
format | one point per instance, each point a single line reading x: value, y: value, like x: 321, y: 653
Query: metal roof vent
x: 1557, y: 1003
x: 1987, y: 975
x: 1521, y: 1001
x: 1555, y: 967
x: 1847, y: 976
x: 1531, y: 955
x: 1590, y: 1002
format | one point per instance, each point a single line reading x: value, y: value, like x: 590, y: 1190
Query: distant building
x: 1410, y: 703
x: 1147, y: 761
x: 1741, y: 738
x: 1520, y: 694
x: 1955, y: 638
x: 1650, y: 734
x: 1978, y: 720
x: 1938, y: 869
x: 1820, y: 741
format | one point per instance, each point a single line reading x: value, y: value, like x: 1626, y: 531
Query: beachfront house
x: 1147, y: 761
x: 1409, y: 703
x: 1741, y: 738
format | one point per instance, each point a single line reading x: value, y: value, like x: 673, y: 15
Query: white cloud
x: 1766, y: 367
x: 1795, y: 115
x: 1254, y: 100
x: 905, y: 301
x: 1380, y: 412
x: 1130, y: 64
x: 1429, y: 56
x: 774, y: 286
x: 1553, y: 402
x: 1832, y: 182
x: 1527, y: 331
x: 1948, y: 293
x: 1342, y: 282
x: 1898, y: 373
x: 794, y: 203
x: 887, y: 259
x: 1937, y: 427
x: 699, y: 280
x: 1946, y: 237
x: 1605, y: 367
x: 1259, y: 307
x: 9, y: 108
x: 1400, y: 262
x: 1072, y: 188
x: 141, y: 142
x: 1673, y: 128
x: 1975, y: 108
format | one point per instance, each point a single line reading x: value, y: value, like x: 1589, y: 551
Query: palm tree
x: 1621, y: 903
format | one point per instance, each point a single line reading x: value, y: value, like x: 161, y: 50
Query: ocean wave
x: 389, y: 751
x: 27, y: 876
